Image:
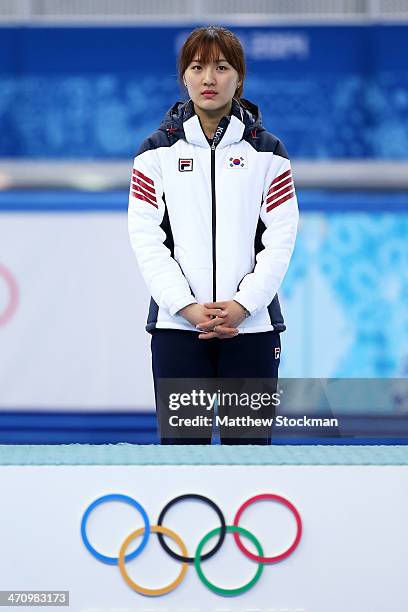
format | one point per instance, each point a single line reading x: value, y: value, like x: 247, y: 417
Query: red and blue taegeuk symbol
x: 236, y: 161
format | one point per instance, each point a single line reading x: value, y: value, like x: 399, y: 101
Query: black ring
x: 213, y: 506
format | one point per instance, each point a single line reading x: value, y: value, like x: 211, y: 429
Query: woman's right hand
x: 198, y: 313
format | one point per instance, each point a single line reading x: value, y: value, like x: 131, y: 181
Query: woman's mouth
x: 209, y: 94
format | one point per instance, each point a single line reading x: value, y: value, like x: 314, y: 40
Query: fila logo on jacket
x: 213, y: 221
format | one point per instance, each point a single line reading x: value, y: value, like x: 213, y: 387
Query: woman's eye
x: 222, y: 68
x: 194, y: 67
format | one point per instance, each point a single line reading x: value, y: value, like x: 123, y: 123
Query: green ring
x: 210, y: 585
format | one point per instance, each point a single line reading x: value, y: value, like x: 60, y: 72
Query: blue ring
x: 127, y: 500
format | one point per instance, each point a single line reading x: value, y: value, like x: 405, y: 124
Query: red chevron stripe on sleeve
x: 281, y: 177
x: 143, y: 176
x: 280, y: 201
x: 280, y: 190
x: 148, y: 195
x: 140, y: 196
x: 279, y: 186
x: 143, y: 188
x: 139, y: 181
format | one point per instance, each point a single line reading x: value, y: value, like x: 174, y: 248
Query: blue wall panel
x: 328, y: 92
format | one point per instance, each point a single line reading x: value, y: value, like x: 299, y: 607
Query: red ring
x: 285, y: 502
x: 11, y: 307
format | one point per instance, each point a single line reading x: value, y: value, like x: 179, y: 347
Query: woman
x: 212, y: 220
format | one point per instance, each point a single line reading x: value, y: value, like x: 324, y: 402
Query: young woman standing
x: 212, y: 220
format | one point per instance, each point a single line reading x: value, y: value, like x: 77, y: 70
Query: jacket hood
x: 245, y: 111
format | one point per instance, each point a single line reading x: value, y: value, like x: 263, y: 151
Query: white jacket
x: 210, y: 223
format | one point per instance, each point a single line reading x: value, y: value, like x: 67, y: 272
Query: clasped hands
x: 215, y: 319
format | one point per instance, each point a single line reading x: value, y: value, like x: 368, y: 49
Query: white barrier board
x: 351, y: 555
x: 75, y: 333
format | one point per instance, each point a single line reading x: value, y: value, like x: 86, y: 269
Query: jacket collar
x: 229, y: 131
x: 181, y: 120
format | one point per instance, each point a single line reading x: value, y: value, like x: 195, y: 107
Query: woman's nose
x: 209, y: 77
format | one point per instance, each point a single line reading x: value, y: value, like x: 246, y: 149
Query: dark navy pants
x: 180, y: 354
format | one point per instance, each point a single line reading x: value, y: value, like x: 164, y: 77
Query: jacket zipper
x: 216, y: 139
x: 214, y: 222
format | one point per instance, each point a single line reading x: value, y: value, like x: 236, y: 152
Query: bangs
x: 208, y: 50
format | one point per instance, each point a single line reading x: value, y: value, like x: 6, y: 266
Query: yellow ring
x: 137, y: 587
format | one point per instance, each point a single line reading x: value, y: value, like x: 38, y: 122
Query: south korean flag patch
x: 237, y: 162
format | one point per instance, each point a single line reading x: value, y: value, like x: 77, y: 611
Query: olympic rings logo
x: 182, y: 556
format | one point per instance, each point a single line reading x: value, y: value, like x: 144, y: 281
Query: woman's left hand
x: 235, y: 315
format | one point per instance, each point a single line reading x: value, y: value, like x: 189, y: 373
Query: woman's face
x: 211, y: 86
